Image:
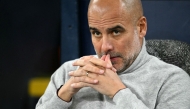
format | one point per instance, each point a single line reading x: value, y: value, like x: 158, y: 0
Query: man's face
x: 114, y: 33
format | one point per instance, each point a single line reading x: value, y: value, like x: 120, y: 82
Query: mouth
x: 114, y: 58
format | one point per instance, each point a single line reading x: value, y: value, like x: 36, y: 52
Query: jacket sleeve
x: 125, y: 99
x: 173, y: 94
x: 50, y: 100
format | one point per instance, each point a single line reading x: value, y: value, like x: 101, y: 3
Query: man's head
x: 117, y: 28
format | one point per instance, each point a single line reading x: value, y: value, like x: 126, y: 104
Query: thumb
x: 103, y: 57
x: 107, y: 59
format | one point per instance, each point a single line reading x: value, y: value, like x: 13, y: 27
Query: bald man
x: 122, y: 75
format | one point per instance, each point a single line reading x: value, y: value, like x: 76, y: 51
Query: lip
x: 114, y: 58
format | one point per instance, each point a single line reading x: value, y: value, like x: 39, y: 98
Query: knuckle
x: 82, y: 57
x: 88, y: 57
x: 95, y: 69
x: 86, y: 67
x: 77, y: 85
x: 103, y: 63
x: 80, y: 70
x: 93, y: 58
x: 76, y: 79
x: 82, y: 79
x: 80, y: 85
x: 87, y: 79
x: 74, y: 72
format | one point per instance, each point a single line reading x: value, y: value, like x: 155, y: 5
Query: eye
x: 96, y: 33
x: 116, y: 32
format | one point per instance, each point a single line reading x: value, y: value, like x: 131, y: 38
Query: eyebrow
x: 116, y: 28
x: 109, y: 29
x: 93, y: 28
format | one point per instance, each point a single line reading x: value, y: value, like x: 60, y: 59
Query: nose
x: 106, y: 45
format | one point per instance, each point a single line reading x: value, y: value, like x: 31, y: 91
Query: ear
x: 142, y: 26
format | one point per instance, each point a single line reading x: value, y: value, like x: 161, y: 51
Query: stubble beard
x: 129, y: 57
x: 132, y: 54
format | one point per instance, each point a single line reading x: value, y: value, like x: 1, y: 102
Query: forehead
x: 107, y: 13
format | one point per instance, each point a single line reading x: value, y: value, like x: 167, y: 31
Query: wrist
x: 64, y: 94
x: 112, y: 95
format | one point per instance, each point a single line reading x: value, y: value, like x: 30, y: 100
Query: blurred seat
x: 171, y: 51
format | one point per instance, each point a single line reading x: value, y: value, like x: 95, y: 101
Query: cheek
x: 125, y: 46
x: 96, y: 45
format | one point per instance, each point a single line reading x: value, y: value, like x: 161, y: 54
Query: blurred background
x: 37, y: 36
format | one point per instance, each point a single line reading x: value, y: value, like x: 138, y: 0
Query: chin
x: 117, y: 67
x: 120, y: 68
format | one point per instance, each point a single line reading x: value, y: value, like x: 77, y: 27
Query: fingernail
x: 101, y: 71
x: 73, y: 63
x: 70, y: 73
x: 72, y: 85
x: 95, y: 81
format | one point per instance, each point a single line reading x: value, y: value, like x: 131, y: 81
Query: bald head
x: 117, y: 28
x: 132, y: 8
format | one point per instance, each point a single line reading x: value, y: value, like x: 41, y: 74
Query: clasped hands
x: 101, y: 76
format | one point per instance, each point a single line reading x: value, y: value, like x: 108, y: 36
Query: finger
x: 92, y: 75
x: 85, y: 79
x: 100, y: 62
x: 107, y: 59
x: 82, y: 71
x: 93, y: 69
x: 113, y: 69
x: 82, y: 61
x: 87, y: 57
x: 76, y: 74
x: 79, y: 62
x: 79, y: 85
x: 103, y: 57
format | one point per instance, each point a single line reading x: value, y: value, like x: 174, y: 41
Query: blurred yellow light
x: 37, y: 86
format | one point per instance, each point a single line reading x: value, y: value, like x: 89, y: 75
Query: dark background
x: 36, y: 36
x: 29, y: 46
